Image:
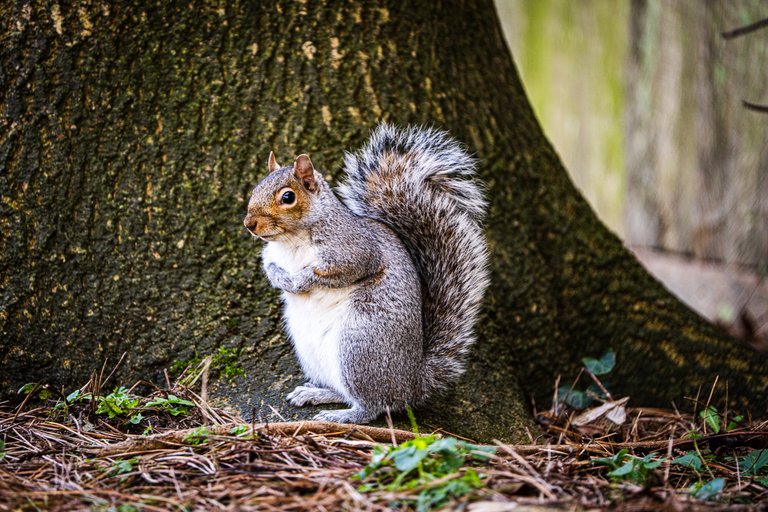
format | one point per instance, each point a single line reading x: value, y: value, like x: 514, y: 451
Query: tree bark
x: 132, y: 134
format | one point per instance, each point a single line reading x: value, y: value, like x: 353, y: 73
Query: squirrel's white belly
x: 314, y: 320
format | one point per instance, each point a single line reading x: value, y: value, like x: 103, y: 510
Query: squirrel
x: 382, y: 287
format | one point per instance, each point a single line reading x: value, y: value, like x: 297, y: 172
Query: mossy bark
x: 131, y: 135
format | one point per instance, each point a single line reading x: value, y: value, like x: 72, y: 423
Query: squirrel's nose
x: 251, y: 222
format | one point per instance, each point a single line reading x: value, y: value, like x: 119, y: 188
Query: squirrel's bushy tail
x: 421, y: 183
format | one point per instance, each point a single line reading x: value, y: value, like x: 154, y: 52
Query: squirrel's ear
x: 305, y: 172
x: 273, y: 165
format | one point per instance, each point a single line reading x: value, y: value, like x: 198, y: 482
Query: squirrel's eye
x: 288, y: 197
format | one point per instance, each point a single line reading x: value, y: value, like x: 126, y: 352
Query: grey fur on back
x: 421, y: 183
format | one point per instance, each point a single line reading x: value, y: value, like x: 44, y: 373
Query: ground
x: 171, y: 450
x: 730, y: 295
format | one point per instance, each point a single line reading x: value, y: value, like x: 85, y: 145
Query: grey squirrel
x: 381, y: 288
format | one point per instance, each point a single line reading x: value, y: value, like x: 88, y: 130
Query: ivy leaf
x: 689, y: 460
x: 433, y: 497
x: 734, y: 422
x: 693, y: 434
x: 573, y: 397
x: 477, y: 451
x: 709, y: 489
x: 711, y: 418
x: 27, y: 388
x: 238, y: 430
x: 612, y: 461
x: 754, y: 461
x: 180, y: 401
x: 600, y: 366
x: 651, y: 465
x: 156, y: 401
x: 624, y: 470
x: 409, y: 458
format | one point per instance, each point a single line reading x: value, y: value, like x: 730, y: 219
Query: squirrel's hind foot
x: 353, y: 415
x: 311, y: 395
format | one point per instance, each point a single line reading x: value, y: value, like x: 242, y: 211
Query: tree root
x: 291, y: 428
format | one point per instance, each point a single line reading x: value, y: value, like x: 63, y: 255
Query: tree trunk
x: 132, y: 135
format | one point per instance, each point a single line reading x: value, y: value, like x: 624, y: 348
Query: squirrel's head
x: 280, y: 203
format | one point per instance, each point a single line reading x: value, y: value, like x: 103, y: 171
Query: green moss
x: 224, y: 363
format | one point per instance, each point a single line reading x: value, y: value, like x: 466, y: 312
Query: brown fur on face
x: 267, y: 217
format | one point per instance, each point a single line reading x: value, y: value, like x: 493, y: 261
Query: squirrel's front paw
x: 278, y: 277
x: 310, y: 395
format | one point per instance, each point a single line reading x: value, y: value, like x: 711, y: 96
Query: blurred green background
x: 644, y: 102
x: 571, y: 56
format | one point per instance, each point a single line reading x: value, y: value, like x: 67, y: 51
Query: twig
x: 652, y: 445
x: 600, y: 385
x: 709, y: 399
x: 391, y: 426
x: 746, y: 29
x: 114, y: 369
x: 670, y: 444
x: 537, y: 480
x: 755, y: 107
x: 204, y: 384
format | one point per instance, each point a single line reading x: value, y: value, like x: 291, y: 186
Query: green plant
x: 74, y: 397
x: 697, y: 460
x: 78, y: 396
x: 579, y: 399
x: 196, y: 436
x: 135, y: 419
x: 238, y: 430
x: 706, y: 490
x: 693, y: 434
x: 689, y: 460
x: 117, y: 403
x: 223, y: 363
x: 177, y: 367
x: 753, y: 463
x: 625, y: 467
x: 573, y: 397
x: 42, y: 390
x: 734, y: 422
x: 431, y: 465
x: 712, y: 419
x: 602, y: 366
x: 124, y: 507
x: 2, y: 449
x: 122, y: 466
x: 173, y: 405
